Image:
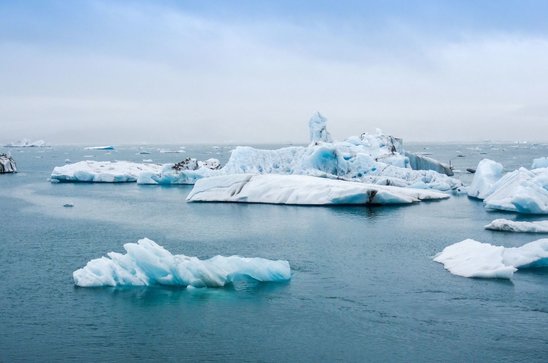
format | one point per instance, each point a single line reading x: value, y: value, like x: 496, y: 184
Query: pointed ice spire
x: 318, y: 129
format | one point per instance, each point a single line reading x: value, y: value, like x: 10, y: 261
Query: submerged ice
x: 471, y: 258
x: 147, y: 263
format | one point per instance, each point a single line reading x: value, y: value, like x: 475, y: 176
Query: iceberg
x: 520, y: 191
x: 486, y: 175
x: 146, y: 263
x: 7, y: 164
x: 91, y: 171
x: 27, y: 143
x: 540, y: 163
x: 187, y: 171
x: 107, y: 147
x: 302, y: 190
x: 507, y: 225
x: 471, y: 258
x: 422, y: 162
x: 318, y: 129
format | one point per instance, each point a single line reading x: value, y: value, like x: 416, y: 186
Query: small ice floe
x: 67, y: 161
x: 68, y: 205
x: 471, y: 258
x: 106, y: 147
x: 147, y: 160
x: 507, y: 225
x: 146, y: 263
x: 7, y: 164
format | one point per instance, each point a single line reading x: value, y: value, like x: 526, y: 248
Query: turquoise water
x: 364, y: 287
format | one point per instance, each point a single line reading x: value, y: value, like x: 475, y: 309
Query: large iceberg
x: 102, y: 171
x: 7, y: 164
x: 302, y: 190
x: 471, y: 258
x: 147, y: 263
x: 521, y: 191
x: 507, y: 225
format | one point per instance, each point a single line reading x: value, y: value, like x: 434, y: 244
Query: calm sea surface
x: 364, y: 287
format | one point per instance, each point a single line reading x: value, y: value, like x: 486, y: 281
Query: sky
x: 127, y: 72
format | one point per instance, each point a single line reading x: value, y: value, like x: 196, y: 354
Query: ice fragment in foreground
x: 147, y: 263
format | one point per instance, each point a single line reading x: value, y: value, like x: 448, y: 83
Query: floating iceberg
x: 187, y: 171
x: 514, y: 226
x: 302, y: 190
x: 146, y: 263
x: 318, y: 129
x: 27, y: 143
x: 486, y: 175
x: 7, y: 164
x: 102, y: 171
x: 107, y: 147
x: 471, y: 258
x: 521, y: 191
x: 540, y: 163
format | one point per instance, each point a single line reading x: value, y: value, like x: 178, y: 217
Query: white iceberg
x: 27, y: 143
x: 318, y: 129
x: 302, y: 190
x: 471, y: 258
x: 106, y: 147
x: 7, y: 164
x: 515, y: 226
x: 487, y: 174
x: 540, y: 163
x: 187, y: 171
x: 102, y: 171
x: 146, y: 263
x: 521, y: 191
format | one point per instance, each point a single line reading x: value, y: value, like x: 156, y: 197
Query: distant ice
x: 521, y: 191
x: 303, y: 190
x: 514, y: 226
x: 102, y: 171
x: 147, y: 263
x: 540, y: 163
x: 471, y: 258
x: 107, y: 147
x: 27, y: 143
x: 318, y: 129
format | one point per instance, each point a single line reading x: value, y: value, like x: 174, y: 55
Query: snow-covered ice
x: 102, y: 171
x: 487, y: 174
x: 521, y: 191
x: 303, y: 190
x: 471, y: 258
x: 147, y: 263
x: 515, y: 226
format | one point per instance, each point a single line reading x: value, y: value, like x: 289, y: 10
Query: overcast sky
x: 254, y: 71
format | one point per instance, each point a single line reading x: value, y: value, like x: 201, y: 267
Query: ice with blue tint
x: 487, y: 174
x: 540, y: 163
x: 318, y: 129
x: 471, y: 258
x: 507, y: 225
x: 302, y: 190
x: 522, y: 191
x: 147, y: 263
x: 106, y: 147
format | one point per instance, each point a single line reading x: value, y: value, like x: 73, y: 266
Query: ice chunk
x: 540, y: 163
x: 487, y: 174
x: 318, y: 129
x: 102, y: 171
x: 7, y: 164
x: 301, y: 189
x: 146, y: 263
x: 187, y: 171
x: 106, y: 147
x: 421, y: 162
x: 27, y: 143
x: 514, y: 226
x: 471, y: 258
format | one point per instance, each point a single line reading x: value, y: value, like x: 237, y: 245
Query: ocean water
x: 364, y: 286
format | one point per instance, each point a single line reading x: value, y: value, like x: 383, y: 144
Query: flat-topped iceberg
x: 471, y: 258
x: 302, y: 190
x: 507, y: 225
x: 7, y: 164
x: 106, y: 147
x: 146, y: 263
x: 91, y: 171
x: 521, y: 191
x: 27, y: 143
